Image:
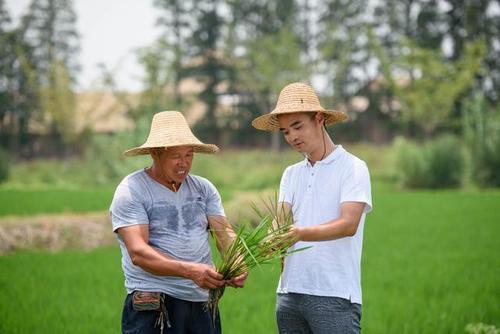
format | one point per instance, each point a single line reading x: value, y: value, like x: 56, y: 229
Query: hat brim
x: 269, y: 122
x: 198, y: 148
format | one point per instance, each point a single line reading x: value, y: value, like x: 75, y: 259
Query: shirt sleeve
x: 356, y: 186
x: 285, y: 194
x: 127, y: 208
x: 214, y: 201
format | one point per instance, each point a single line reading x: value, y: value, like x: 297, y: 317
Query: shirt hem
x: 347, y: 296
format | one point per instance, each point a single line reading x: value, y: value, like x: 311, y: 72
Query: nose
x: 292, y: 136
x: 184, y: 161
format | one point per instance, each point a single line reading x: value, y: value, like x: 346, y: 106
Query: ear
x: 154, y: 153
x: 320, y: 118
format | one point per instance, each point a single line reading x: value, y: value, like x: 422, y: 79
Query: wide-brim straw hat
x: 295, y: 98
x: 170, y: 129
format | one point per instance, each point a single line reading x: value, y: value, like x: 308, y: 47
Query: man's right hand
x: 205, y: 276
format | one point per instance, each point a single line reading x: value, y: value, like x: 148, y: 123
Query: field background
x: 431, y: 259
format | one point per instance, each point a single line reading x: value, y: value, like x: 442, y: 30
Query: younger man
x: 329, y: 194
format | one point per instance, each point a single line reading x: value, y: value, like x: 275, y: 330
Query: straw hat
x: 168, y: 129
x: 294, y: 98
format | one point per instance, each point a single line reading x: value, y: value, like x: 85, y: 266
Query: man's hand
x: 293, y: 235
x: 205, y: 276
x: 238, y: 282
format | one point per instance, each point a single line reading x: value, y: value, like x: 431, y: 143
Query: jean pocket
x: 340, y: 304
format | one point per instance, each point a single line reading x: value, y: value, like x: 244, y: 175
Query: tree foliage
x: 49, y: 30
x: 432, y: 85
x: 428, y: 58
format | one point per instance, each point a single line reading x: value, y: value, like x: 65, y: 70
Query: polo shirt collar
x: 339, y: 150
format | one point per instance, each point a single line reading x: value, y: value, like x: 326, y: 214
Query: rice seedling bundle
x: 252, y: 247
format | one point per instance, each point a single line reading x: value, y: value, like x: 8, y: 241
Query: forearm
x: 157, y: 263
x: 222, y: 232
x: 224, y: 242
x: 331, y: 230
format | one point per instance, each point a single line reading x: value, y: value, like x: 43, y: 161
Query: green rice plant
x: 263, y: 244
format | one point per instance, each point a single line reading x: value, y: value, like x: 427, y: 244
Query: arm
x: 344, y: 226
x: 224, y: 236
x: 136, y: 239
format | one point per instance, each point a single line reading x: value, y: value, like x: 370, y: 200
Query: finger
x: 215, y: 275
x: 238, y: 284
x: 209, y: 286
x: 214, y: 282
x: 231, y: 284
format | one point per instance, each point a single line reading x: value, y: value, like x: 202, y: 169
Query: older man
x: 329, y: 195
x: 162, y: 215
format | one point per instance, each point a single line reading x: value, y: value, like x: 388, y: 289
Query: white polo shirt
x: 328, y: 268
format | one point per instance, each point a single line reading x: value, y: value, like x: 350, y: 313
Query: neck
x: 324, y: 148
x: 157, y: 174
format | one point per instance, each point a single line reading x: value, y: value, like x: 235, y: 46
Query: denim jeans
x: 301, y: 314
x: 184, y: 317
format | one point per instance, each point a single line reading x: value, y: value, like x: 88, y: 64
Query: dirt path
x: 55, y: 232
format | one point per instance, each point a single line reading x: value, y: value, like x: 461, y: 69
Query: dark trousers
x: 184, y: 317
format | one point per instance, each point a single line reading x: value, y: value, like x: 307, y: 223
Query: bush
x: 481, y: 128
x: 4, y: 165
x: 436, y: 164
x: 410, y: 164
x: 104, y: 157
x: 445, y: 161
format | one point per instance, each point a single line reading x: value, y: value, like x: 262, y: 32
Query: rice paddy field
x: 431, y: 264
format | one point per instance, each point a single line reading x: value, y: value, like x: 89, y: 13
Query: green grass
x: 69, y: 292
x: 53, y: 200
x: 431, y: 262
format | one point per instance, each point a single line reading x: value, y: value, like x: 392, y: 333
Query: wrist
x: 187, y: 270
x: 301, y: 233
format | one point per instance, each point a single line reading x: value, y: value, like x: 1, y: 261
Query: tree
x: 177, y: 23
x: 59, y: 99
x: 208, y: 64
x: 49, y: 29
x: 445, y: 25
x: 267, y: 51
x: 157, y: 68
x: 468, y: 21
x: 18, y: 96
x: 343, y: 46
x: 435, y: 84
x: 7, y: 57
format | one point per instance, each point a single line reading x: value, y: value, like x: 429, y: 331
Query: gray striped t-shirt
x: 178, y: 227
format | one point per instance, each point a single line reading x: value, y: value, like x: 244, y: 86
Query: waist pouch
x: 152, y: 301
x: 146, y: 301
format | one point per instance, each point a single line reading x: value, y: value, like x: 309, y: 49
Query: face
x: 303, y: 131
x: 174, y: 163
